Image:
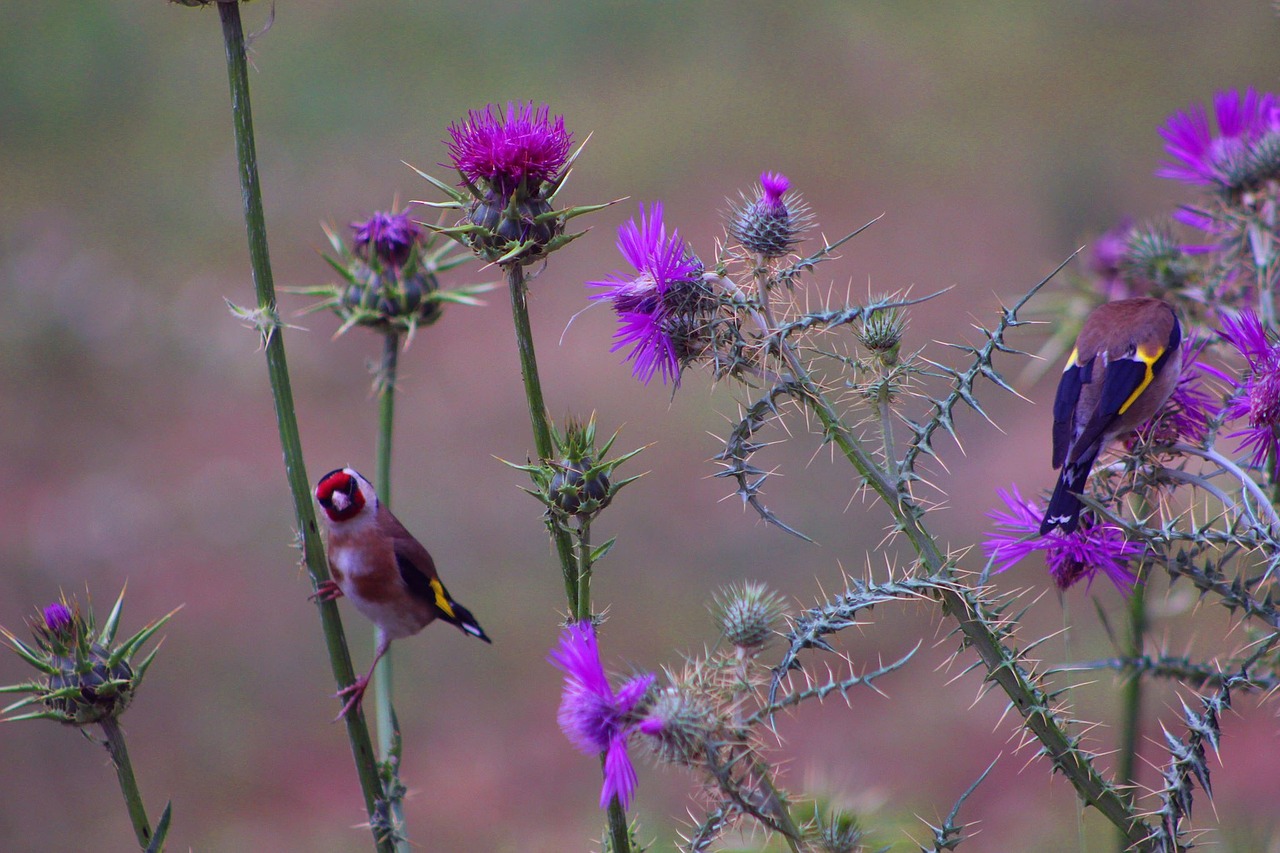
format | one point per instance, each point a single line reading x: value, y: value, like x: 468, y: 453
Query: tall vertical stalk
x: 269, y: 324
x: 384, y: 681
x: 575, y: 581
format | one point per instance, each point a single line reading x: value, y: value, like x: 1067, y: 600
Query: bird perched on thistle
x: 385, y: 572
x: 1124, y: 367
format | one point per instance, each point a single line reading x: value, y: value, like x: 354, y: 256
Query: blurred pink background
x: 138, y: 444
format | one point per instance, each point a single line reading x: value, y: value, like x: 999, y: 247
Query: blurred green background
x: 137, y: 441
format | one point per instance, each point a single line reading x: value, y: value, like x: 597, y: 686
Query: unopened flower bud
x: 772, y: 222
x: 881, y: 334
x: 747, y: 615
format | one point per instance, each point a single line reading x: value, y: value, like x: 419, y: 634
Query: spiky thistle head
x: 772, y: 220
x: 389, y: 276
x: 1155, y: 262
x: 880, y: 332
x: 512, y: 165
x: 681, y: 725
x: 578, y: 481
x: 85, y: 677
x: 748, y: 615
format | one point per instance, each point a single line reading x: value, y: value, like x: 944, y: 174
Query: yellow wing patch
x: 442, y: 598
x: 1149, y: 358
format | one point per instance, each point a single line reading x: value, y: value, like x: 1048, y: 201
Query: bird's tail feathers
x: 466, y: 622
x: 1065, y: 505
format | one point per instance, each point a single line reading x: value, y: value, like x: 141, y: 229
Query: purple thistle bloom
x: 774, y: 186
x: 526, y: 145
x: 592, y: 716
x: 1257, y: 397
x: 1071, y: 557
x: 57, y: 618
x: 1201, y: 158
x: 390, y: 237
x: 661, y: 262
x: 1108, y: 261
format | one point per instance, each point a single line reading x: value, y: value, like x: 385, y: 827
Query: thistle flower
x: 1257, y: 394
x: 594, y: 717
x: 1108, y: 261
x: 1240, y: 156
x: 772, y: 222
x: 663, y: 311
x: 512, y: 166
x: 1071, y: 557
x: 386, y: 238
x: 389, y: 276
x: 85, y: 679
x: 525, y: 147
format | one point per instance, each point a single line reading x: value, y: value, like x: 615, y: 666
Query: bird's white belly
x: 397, y: 618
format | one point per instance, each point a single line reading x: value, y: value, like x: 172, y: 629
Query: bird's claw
x: 355, y: 692
x: 326, y: 591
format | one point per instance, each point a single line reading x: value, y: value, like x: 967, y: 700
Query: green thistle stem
x: 967, y: 609
x: 282, y: 394
x: 383, y: 710
x: 579, y: 595
x: 579, y: 608
x: 1131, y: 691
x: 584, y: 563
x: 128, y: 785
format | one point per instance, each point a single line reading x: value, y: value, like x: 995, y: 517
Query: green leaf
x: 162, y: 830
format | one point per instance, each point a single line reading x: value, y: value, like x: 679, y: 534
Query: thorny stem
x: 128, y: 785
x: 578, y: 596
x: 1250, y: 485
x: 383, y: 709
x: 967, y: 609
x: 886, y: 422
x: 286, y: 419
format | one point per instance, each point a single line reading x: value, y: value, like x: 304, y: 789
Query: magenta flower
x: 1199, y: 157
x: 1071, y: 557
x: 1257, y: 397
x: 390, y: 237
x: 592, y: 716
x: 57, y: 618
x: 774, y: 186
x: 1109, y: 259
x: 772, y: 221
x: 526, y: 145
x: 648, y: 303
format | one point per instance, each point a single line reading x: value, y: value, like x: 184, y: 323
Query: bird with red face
x: 382, y: 569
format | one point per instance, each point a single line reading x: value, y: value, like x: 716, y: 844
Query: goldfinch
x: 1124, y: 367
x: 385, y: 572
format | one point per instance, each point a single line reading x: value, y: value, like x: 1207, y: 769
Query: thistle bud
x: 87, y: 678
x: 389, y: 276
x: 680, y: 724
x: 579, y: 487
x: 1155, y: 261
x: 881, y: 334
x: 578, y: 481
x: 772, y: 222
x: 747, y: 615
